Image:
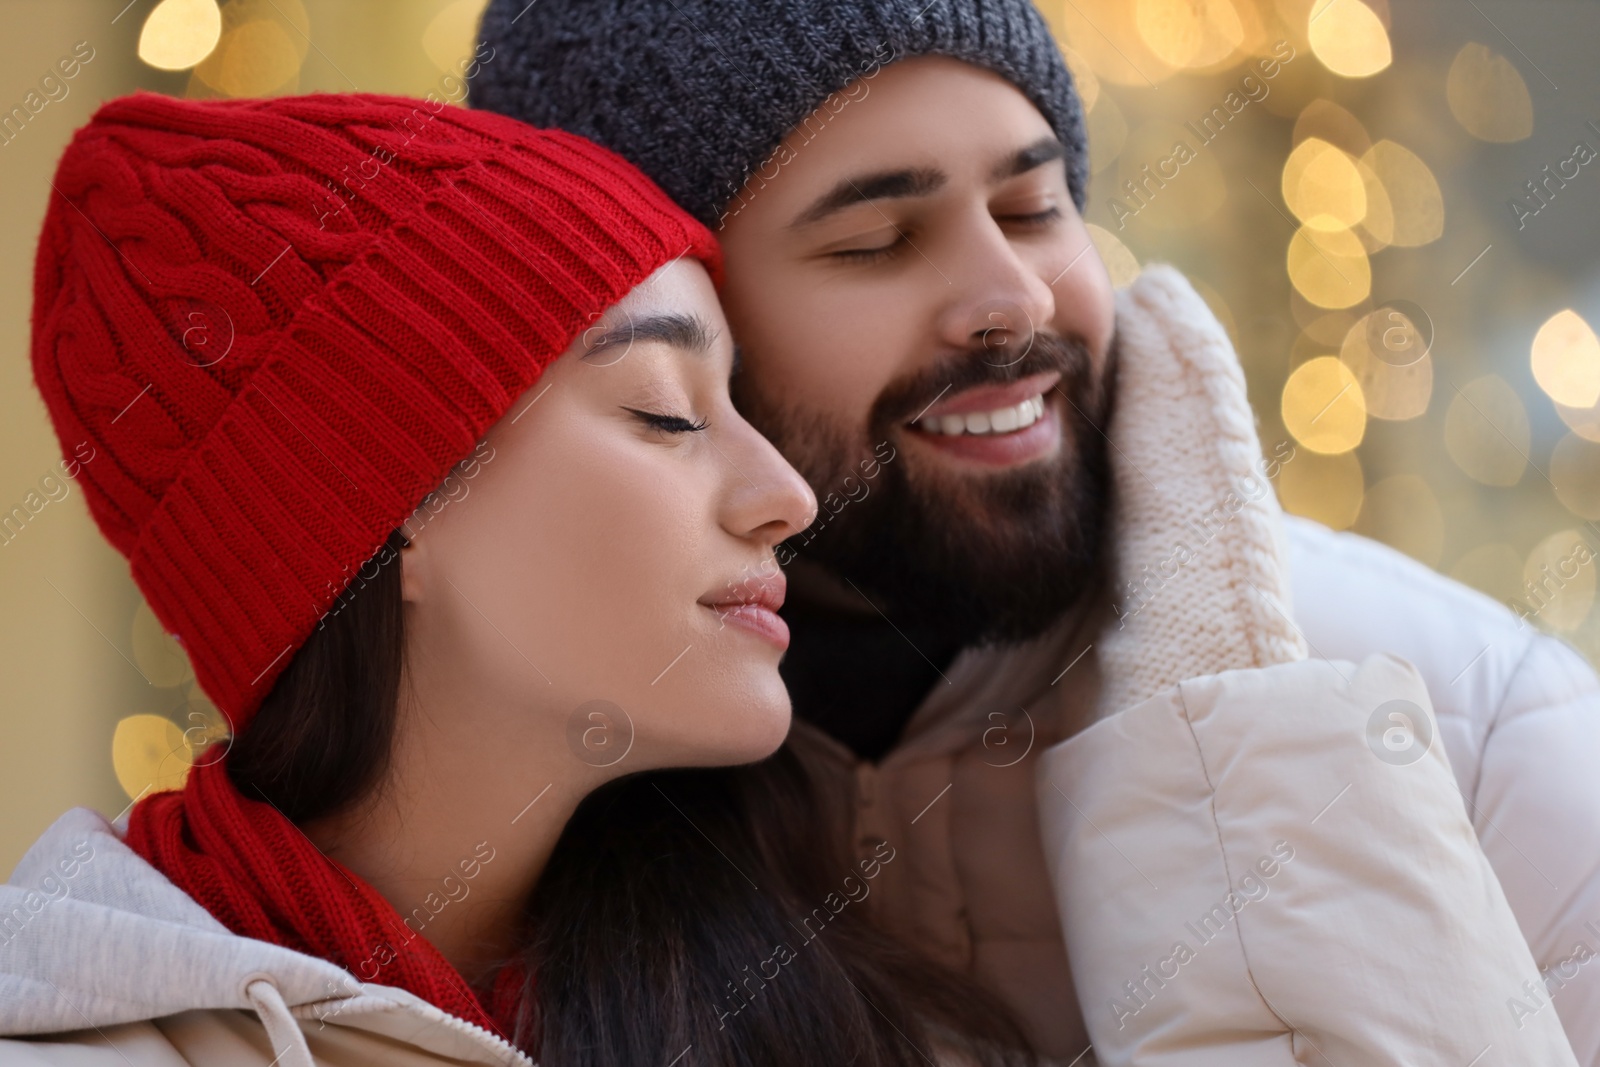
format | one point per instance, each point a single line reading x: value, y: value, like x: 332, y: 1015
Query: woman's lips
x: 756, y: 619
x: 752, y: 604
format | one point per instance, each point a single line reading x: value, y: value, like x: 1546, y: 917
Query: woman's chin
x: 746, y: 730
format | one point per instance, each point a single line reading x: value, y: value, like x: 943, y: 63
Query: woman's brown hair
x: 678, y: 913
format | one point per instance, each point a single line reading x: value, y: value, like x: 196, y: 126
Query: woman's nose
x: 768, y: 499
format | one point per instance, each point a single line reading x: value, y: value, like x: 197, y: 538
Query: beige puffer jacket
x: 105, y: 963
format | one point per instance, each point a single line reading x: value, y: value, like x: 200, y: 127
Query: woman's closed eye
x: 668, y: 423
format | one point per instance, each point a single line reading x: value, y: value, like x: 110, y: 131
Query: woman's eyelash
x: 669, y: 423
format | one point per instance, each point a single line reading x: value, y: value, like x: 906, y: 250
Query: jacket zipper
x: 488, y: 1036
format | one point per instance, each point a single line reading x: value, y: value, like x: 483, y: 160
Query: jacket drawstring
x: 283, y: 1030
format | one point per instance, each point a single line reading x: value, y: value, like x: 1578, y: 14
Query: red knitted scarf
x: 261, y: 877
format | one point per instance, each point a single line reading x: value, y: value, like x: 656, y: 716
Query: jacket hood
x: 81, y: 919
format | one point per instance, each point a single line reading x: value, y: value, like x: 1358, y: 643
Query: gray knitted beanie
x: 700, y: 94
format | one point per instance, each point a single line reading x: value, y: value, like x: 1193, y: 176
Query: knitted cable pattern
x: 1197, y: 530
x: 280, y: 323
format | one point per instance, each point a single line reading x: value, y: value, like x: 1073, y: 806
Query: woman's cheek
x: 631, y: 561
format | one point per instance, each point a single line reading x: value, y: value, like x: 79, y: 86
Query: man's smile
x: 1000, y: 425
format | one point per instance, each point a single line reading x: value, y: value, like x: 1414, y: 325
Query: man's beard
x: 980, y: 558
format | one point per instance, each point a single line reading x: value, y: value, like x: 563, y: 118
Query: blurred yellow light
x: 1377, y: 226
x: 148, y: 754
x: 1488, y: 96
x: 1348, y: 38
x: 1322, y: 186
x: 1389, y: 358
x: 180, y: 33
x: 1120, y: 263
x: 1566, y: 360
x: 1330, y: 122
x: 1083, y: 76
x: 1189, y: 33
x: 1417, y: 206
x: 1486, y: 431
x: 451, y: 35
x: 1328, y: 489
x: 256, y: 59
x: 1403, y: 512
x: 1494, y: 569
x: 1329, y: 267
x: 1585, y: 422
x: 1323, y: 406
x: 160, y: 658
x: 1559, y: 581
x: 1104, y: 33
x: 1575, y: 472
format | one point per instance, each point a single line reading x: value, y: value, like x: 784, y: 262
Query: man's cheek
x: 1086, y: 305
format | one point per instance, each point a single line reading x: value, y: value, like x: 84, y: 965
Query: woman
x: 414, y: 425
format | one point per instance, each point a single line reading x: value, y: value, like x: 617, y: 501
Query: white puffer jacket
x: 1519, y: 715
x: 1215, y: 764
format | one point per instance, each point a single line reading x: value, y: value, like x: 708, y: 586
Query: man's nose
x: 998, y: 301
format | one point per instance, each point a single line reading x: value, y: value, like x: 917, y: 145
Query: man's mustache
x: 906, y: 398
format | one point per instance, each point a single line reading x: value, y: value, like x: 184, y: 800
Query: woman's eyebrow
x: 688, y: 332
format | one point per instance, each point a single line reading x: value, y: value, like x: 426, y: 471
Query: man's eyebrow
x: 688, y: 332
x: 884, y: 185
x: 1044, y: 150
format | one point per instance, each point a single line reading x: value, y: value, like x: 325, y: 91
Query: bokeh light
x: 1417, y: 206
x: 1189, y: 33
x: 1322, y: 186
x: 1348, y: 38
x: 177, y: 34
x: 1585, y: 422
x: 1323, y: 406
x: 148, y: 754
x: 1559, y: 580
x: 1487, y: 95
x: 1566, y: 360
x: 1329, y: 267
x: 264, y: 44
x: 1388, y: 357
x: 1120, y: 263
x: 1575, y: 474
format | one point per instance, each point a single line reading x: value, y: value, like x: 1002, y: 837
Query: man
x: 930, y: 338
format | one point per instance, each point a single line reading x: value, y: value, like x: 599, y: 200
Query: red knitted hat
x: 279, y: 323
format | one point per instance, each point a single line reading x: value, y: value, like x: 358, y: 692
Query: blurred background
x: 1394, y: 211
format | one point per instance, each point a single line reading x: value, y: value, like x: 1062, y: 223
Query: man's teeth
x: 1003, y: 420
